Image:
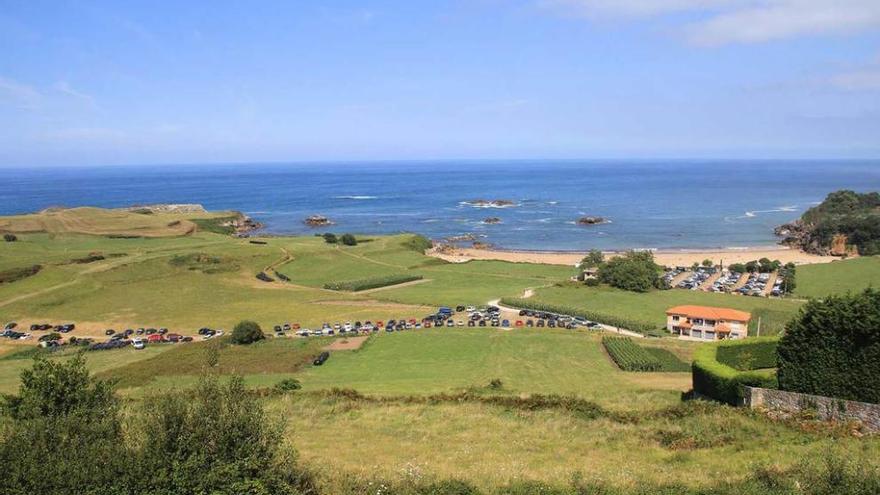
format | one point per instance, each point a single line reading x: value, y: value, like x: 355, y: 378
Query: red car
x: 173, y: 337
x: 155, y: 338
x: 519, y: 323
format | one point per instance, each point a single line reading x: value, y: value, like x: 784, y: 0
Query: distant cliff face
x: 845, y: 224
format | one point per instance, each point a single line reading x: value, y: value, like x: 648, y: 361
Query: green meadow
x: 410, y: 403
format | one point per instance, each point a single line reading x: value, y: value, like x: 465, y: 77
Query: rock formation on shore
x: 591, y: 220
x: 318, y: 221
x: 243, y: 225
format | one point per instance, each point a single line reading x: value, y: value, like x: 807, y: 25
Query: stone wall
x: 826, y: 408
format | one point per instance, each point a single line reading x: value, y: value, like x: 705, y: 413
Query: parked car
x: 138, y: 344
x: 10, y: 325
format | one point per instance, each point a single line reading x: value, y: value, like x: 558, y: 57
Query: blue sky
x: 194, y: 82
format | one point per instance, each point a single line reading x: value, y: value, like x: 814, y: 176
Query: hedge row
x: 16, y: 274
x: 752, y: 354
x: 722, y: 382
x: 371, y: 283
x: 629, y: 356
x: 613, y: 320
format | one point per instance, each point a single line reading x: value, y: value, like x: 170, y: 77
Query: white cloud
x: 64, y: 87
x: 741, y: 21
x: 863, y: 80
x: 18, y: 94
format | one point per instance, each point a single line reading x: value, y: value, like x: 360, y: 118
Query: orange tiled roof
x: 709, y: 313
x: 722, y: 328
x: 685, y: 324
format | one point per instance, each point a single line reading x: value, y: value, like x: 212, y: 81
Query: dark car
x: 109, y: 331
x: 321, y: 358
x: 540, y: 323
x: 551, y: 323
x: 459, y: 309
x: 471, y: 323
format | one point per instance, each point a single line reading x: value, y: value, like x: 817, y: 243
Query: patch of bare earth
x: 347, y: 344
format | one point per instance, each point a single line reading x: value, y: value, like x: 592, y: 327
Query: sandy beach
x: 663, y: 257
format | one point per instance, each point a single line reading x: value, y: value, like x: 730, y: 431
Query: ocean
x: 649, y: 204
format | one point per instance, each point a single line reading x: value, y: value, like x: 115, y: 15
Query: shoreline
x: 665, y: 257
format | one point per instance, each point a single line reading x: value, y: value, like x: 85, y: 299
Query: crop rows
x: 629, y: 356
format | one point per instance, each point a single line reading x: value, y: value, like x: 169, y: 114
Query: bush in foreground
x: 348, y: 240
x: 247, y: 332
x: 833, y: 348
x: 10, y: 237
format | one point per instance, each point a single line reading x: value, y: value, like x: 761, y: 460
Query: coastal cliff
x: 845, y: 224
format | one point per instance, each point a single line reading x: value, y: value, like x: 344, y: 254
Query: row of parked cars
x: 696, y: 279
x: 10, y: 332
x: 462, y: 316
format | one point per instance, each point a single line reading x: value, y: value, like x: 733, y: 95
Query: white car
x: 138, y: 344
x: 348, y: 326
x: 470, y: 309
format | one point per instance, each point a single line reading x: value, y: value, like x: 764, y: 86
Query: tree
x: 833, y: 348
x: 65, y: 433
x: 330, y: 238
x: 349, y: 240
x: 593, y: 259
x: 10, y: 237
x: 737, y: 268
x: 789, y: 280
x: 215, y: 439
x: 707, y: 263
x: 634, y: 271
x: 247, y: 332
x: 752, y: 266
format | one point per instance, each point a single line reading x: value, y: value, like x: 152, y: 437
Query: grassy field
x: 644, y: 434
x: 838, y: 277
x: 651, y: 306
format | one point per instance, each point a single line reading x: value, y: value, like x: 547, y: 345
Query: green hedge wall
x: 722, y: 382
x: 751, y: 354
x: 608, y: 319
x: 371, y: 283
x: 833, y: 348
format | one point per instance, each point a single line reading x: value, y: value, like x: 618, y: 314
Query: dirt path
x: 743, y: 279
x: 707, y: 284
x: 770, y: 282
x: 347, y: 343
x: 678, y: 278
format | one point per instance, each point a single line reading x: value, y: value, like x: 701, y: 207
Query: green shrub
x: 10, y: 237
x: 288, y: 385
x: 247, y: 332
x: 330, y: 238
x: 592, y: 282
x: 643, y: 327
x: 16, y: 274
x: 721, y: 382
x: 833, y: 348
x: 418, y: 243
x: 371, y: 283
x: 348, y: 240
x: 628, y: 355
